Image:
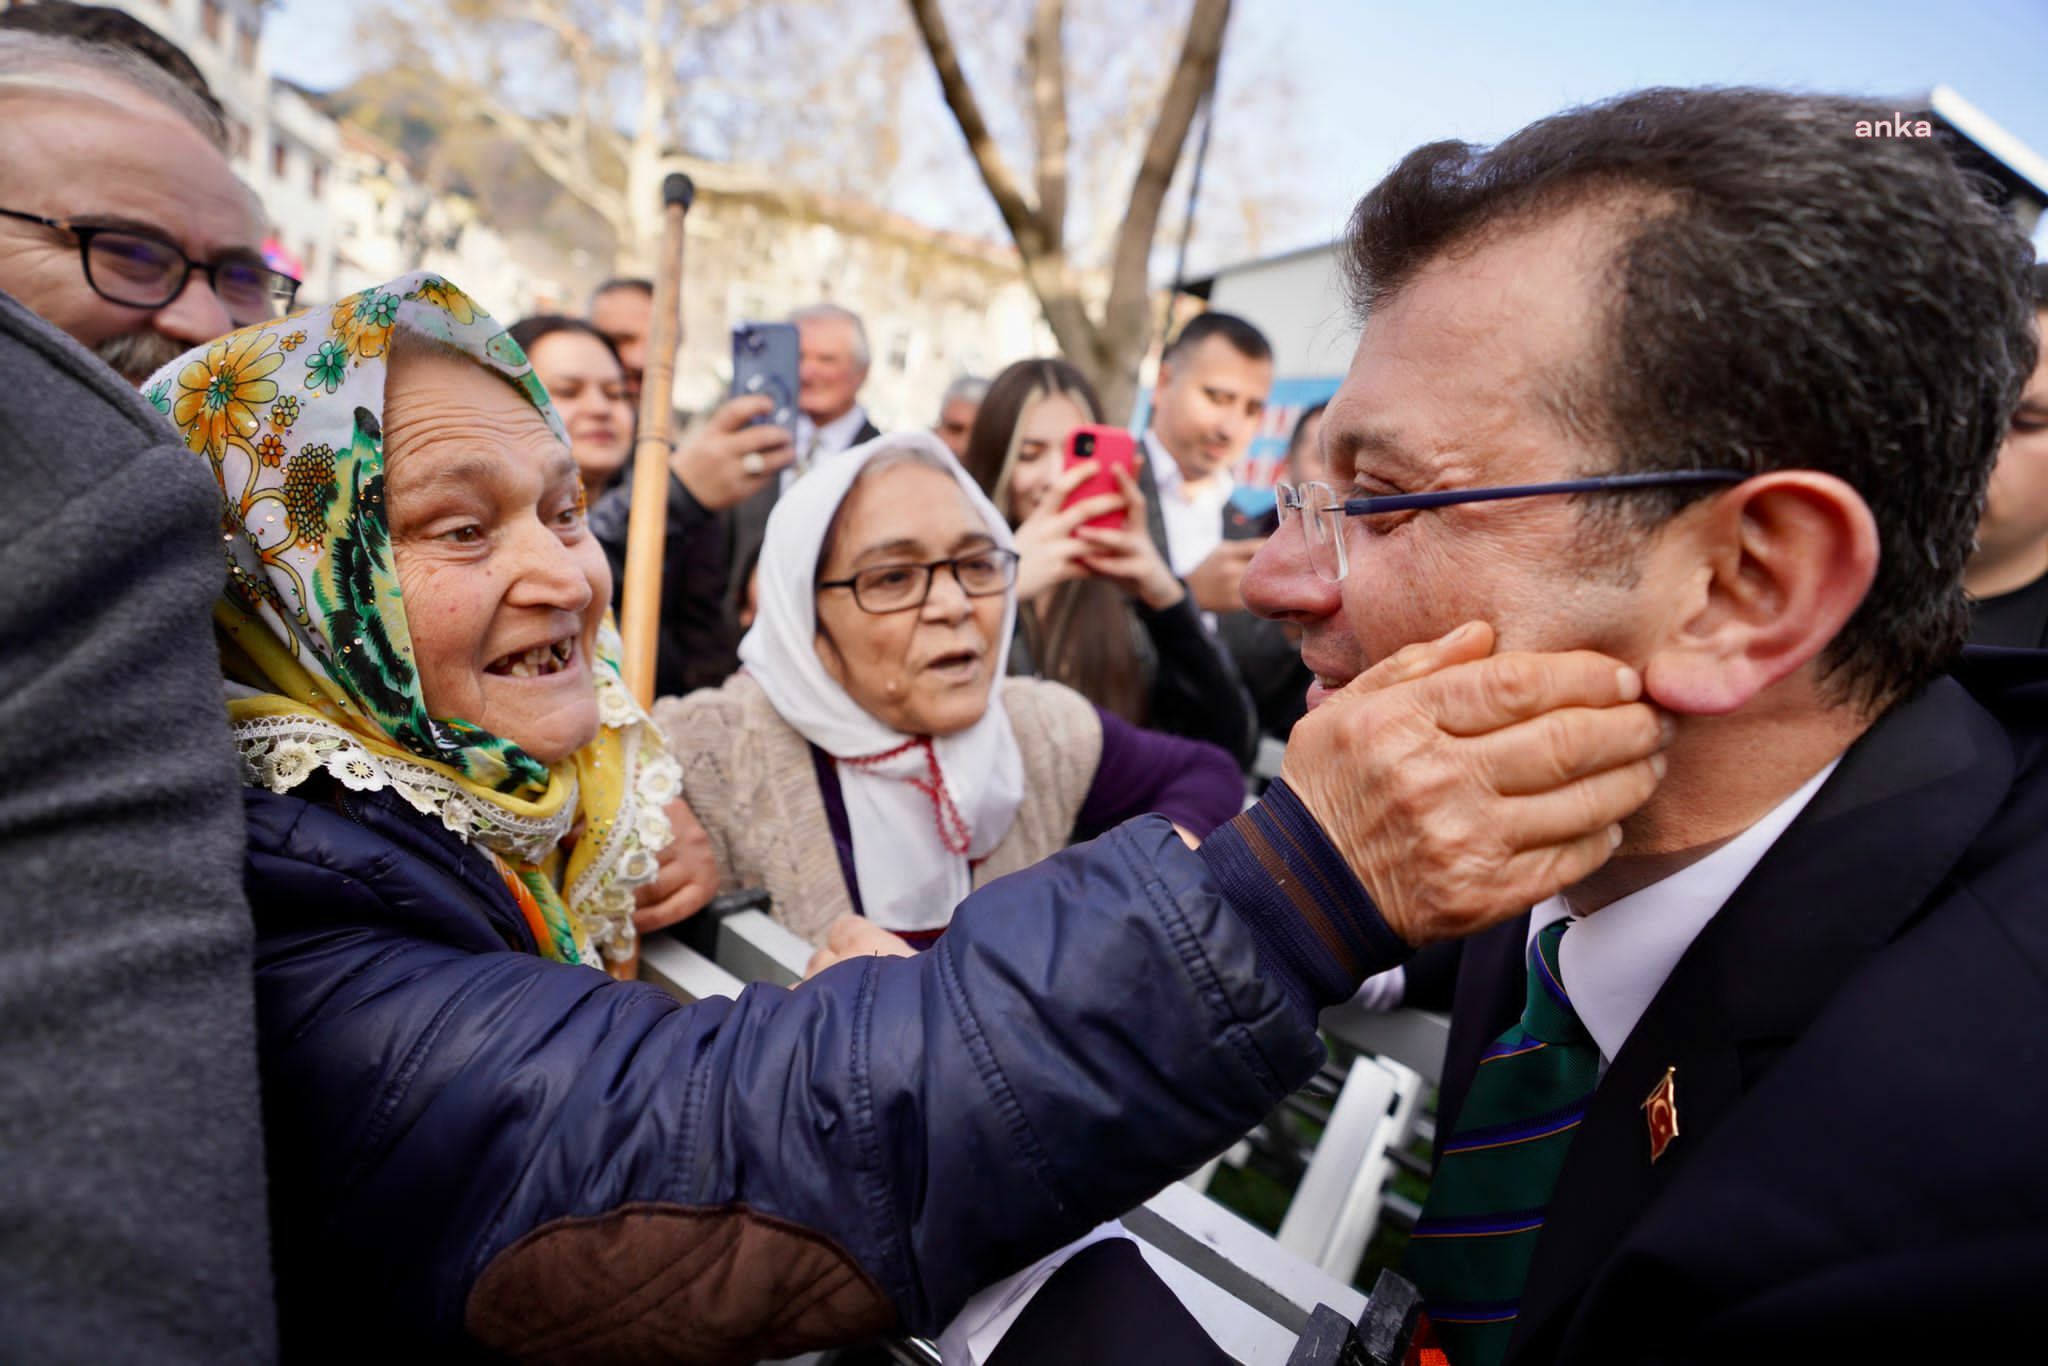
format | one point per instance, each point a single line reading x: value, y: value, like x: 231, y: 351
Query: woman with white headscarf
x: 871, y: 760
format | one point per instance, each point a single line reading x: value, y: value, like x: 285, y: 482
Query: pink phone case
x: 1112, y: 449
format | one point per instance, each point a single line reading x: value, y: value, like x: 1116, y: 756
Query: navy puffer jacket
x: 472, y: 1145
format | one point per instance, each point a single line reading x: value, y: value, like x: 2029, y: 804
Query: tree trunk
x: 1110, y: 348
x: 635, y: 250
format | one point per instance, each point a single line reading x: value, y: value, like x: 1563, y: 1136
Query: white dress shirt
x: 1193, y: 513
x: 816, y: 443
x: 1616, y: 960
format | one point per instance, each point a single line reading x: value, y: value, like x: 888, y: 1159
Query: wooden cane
x: 647, y: 528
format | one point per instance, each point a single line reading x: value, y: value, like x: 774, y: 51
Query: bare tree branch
x: 1031, y: 232
x: 1126, y: 318
x: 561, y: 164
x: 1047, y: 53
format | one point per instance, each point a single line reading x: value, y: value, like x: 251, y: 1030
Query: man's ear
x: 1165, y: 377
x: 1772, y: 570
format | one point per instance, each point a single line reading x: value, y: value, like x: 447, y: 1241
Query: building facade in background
x: 937, y: 305
x: 346, y: 209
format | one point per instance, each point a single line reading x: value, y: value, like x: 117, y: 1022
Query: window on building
x: 245, y: 44
x: 317, y: 175
x: 238, y: 138
x: 210, y: 18
x: 279, y: 159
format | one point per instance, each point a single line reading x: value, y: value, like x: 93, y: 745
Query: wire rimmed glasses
x: 884, y: 588
x: 1322, y: 513
x: 139, y: 269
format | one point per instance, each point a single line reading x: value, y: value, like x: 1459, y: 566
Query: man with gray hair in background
x: 833, y: 348
x: 957, y: 409
x: 131, y: 1153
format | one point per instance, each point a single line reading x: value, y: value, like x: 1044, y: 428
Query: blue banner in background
x: 1266, y: 461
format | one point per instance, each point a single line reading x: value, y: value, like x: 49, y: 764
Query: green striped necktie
x: 1469, y: 1255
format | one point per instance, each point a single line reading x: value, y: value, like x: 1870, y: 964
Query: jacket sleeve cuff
x: 683, y: 507
x: 1315, y: 927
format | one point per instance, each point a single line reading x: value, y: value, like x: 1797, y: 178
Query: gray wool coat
x: 132, y: 1217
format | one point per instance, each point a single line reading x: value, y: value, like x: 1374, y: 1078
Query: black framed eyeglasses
x: 140, y: 269
x: 1323, y: 524
x: 884, y: 588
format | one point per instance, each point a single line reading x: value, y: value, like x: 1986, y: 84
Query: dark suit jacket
x: 2017, y: 620
x: 1861, y: 1044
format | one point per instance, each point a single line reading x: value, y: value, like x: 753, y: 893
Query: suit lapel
x: 1845, y: 878
x: 1155, y: 514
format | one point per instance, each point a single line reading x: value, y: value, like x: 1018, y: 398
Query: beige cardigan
x: 748, y: 777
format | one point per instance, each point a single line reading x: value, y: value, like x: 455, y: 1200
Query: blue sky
x: 1374, y: 78
x: 1380, y: 78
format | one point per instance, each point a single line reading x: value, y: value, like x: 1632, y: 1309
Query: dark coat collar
x: 1856, y: 867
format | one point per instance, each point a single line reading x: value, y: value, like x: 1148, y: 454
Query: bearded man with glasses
x: 120, y: 220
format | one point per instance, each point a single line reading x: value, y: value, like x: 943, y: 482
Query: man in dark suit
x: 2008, y: 576
x: 1214, y: 376
x: 1766, y: 1085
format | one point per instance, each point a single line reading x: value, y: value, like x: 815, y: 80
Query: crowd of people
x: 1613, y: 612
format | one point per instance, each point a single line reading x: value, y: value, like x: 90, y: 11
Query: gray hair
x: 967, y: 389
x: 818, y: 313
x: 897, y: 450
x: 32, y: 62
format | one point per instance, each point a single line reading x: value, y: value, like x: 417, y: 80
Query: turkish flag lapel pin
x: 1661, y: 1112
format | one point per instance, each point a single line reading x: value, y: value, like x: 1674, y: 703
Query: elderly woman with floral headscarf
x: 475, y: 1138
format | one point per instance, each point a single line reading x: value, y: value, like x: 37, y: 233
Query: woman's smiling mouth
x: 540, y: 661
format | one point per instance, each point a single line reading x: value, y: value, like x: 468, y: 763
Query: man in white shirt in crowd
x: 1213, y: 382
x: 833, y: 353
x: 1630, y: 382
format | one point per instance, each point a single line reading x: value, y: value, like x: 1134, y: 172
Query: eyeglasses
x: 139, y: 269
x: 886, y: 588
x: 1321, y: 513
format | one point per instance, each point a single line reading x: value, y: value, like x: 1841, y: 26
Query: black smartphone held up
x: 764, y: 361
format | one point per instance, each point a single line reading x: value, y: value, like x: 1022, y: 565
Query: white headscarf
x: 909, y: 878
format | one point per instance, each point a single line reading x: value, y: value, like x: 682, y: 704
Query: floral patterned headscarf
x: 313, y: 631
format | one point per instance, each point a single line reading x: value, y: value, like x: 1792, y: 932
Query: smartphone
x: 1112, y: 449
x: 764, y: 361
